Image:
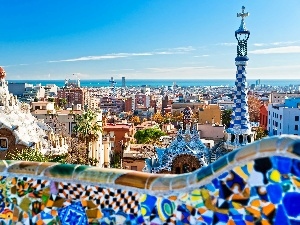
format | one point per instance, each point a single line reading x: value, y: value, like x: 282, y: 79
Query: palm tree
x: 87, y: 130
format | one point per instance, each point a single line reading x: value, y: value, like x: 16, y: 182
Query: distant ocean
x: 163, y: 82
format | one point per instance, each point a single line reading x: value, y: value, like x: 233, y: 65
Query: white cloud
x: 284, y: 42
x: 259, y: 44
x: 174, y: 69
x: 22, y: 64
x: 282, y: 68
x: 88, y: 58
x: 179, y: 50
x: 228, y: 44
x: 198, y: 56
x: 278, y: 50
x: 279, y: 43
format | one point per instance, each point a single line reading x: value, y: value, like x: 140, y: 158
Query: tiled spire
x: 240, y: 123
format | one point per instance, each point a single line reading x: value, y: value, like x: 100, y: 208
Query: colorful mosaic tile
x: 262, y: 188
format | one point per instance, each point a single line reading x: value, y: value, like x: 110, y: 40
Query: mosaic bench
x: 258, y: 184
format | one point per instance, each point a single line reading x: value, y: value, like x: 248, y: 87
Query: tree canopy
x: 226, y: 117
x: 254, y: 105
x: 261, y: 133
x: 148, y: 136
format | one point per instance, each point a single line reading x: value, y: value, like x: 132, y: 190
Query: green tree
x: 33, y: 155
x: 226, y: 117
x: 148, y: 136
x: 50, y: 99
x: 87, y: 130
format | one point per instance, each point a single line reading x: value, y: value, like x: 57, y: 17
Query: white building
x: 284, y: 118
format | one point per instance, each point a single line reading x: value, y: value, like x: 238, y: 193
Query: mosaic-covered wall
x: 258, y: 184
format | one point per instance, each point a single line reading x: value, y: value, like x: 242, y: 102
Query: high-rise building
x: 123, y: 82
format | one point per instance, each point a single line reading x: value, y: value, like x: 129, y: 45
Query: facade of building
x: 211, y: 131
x: 112, y: 104
x: 73, y: 96
x: 263, y: 117
x: 209, y: 114
x: 284, y: 118
x: 178, y: 107
x: 140, y: 101
x: 276, y: 97
x: 18, y: 89
x: 120, y: 133
x: 128, y: 104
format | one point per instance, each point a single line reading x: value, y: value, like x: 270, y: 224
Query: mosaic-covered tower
x: 240, y: 132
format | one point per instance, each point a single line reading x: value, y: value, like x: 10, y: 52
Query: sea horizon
x: 159, y: 82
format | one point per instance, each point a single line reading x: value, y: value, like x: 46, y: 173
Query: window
x: 296, y: 127
x: 134, y: 168
x: 3, y: 143
x: 296, y: 118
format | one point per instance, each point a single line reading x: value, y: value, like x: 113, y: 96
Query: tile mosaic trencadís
x: 258, y: 184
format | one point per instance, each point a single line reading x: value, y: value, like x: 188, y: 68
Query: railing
x: 256, y: 184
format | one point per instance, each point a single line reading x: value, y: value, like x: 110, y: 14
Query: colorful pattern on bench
x: 256, y: 184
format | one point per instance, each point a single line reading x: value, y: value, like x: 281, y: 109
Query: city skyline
x: 147, y: 39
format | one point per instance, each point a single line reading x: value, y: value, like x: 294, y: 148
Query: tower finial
x: 243, y: 14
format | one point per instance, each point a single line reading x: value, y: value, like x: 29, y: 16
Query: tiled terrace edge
x: 253, y: 184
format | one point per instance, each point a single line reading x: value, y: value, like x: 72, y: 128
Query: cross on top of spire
x: 243, y: 14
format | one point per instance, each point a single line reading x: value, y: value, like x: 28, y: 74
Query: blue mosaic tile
x: 282, y: 164
x: 296, y: 167
x: 73, y: 214
x: 291, y: 204
x: 275, y: 193
x: 235, y: 181
x: 280, y: 217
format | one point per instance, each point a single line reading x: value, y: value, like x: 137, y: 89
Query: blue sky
x: 147, y: 39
